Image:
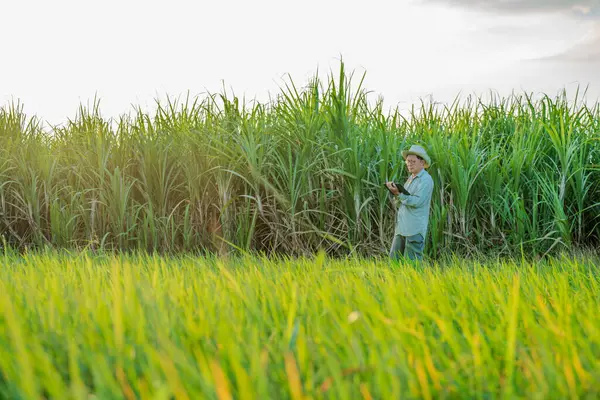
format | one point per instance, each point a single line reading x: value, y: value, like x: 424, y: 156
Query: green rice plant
x: 75, y: 325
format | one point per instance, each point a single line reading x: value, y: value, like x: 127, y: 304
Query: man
x: 413, y: 210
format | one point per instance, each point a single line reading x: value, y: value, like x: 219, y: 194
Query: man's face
x: 414, y: 164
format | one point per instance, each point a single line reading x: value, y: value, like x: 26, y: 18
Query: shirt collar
x: 419, y: 174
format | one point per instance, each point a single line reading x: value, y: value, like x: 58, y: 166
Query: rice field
x: 139, y: 326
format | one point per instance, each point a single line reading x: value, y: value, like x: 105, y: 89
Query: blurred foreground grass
x: 140, y: 326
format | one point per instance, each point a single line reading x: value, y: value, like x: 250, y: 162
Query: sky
x: 59, y: 54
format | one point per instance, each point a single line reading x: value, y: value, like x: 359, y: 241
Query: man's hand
x: 392, y: 187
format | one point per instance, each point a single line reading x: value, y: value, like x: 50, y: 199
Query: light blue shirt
x: 413, y: 210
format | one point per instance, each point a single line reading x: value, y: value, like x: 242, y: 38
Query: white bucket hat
x: 417, y: 151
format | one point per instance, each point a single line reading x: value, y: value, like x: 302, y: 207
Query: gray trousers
x: 407, y: 246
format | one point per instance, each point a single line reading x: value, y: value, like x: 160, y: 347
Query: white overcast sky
x: 58, y: 54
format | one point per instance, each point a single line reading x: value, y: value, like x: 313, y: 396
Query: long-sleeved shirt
x: 413, y: 210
